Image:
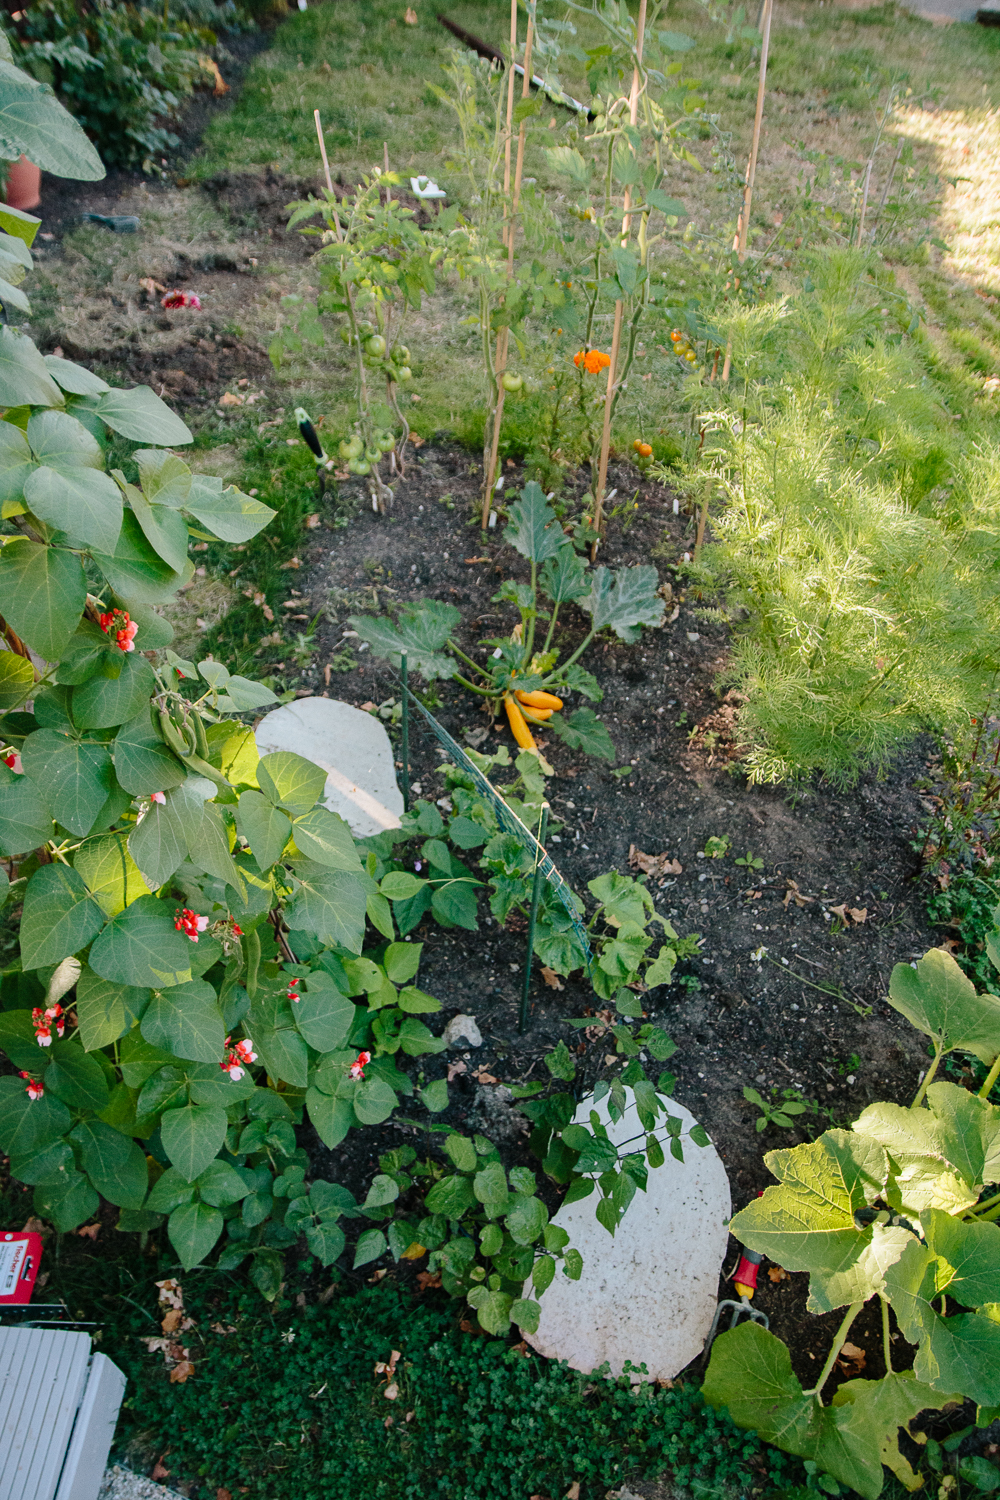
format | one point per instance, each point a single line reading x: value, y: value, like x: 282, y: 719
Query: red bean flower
x: 118, y: 623
x: 12, y: 760
x: 44, y: 1020
x: 34, y: 1090
x: 238, y: 1058
x: 293, y: 990
x: 357, y: 1068
x: 189, y: 922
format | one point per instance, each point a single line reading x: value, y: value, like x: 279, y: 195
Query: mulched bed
x: 749, y: 1022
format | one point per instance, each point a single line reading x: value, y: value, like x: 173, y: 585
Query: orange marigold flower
x: 592, y: 360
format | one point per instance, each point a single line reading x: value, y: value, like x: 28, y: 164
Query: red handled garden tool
x: 745, y: 1281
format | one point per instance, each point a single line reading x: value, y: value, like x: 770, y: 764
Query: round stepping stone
x: 649, y: 1294
x: 353, y: 749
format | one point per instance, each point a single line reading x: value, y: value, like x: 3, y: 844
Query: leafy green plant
x: 844, y: 535
x: 750, y: 862
x: 37, y: 126
x: 123, y: 70
x: 375, y: 263
x: 901, y: 1207
x: 621, y: 602
x: 717, y: 847
x: 780, y: 1109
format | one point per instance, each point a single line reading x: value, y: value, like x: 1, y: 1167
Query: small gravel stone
x: 121, y: 1484
x: 462, y: 1029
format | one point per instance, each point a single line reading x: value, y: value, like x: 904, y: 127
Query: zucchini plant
x: 513, y: 672
x: 902, y: 1207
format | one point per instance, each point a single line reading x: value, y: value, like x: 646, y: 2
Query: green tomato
x: 372, y: 455
x: 386, y: 442
x: 401, y: 354
x: 344, y: 450
x: 359, y: 466
x: 354, y: 445
x: 512, y: 382
x: 375, y: 346
x: 345, y: 335
x: 404, y: 374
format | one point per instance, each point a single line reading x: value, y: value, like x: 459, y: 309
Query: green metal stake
x: 536, y: 890
x: 406, y: 736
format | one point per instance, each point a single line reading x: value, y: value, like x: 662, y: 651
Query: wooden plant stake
x: 500, y: 363
x: 536, y: 890
x: 616, y: 337
x: 743, y: 227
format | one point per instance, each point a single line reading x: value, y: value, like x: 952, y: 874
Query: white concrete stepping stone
x: 649, y: 1294
x: 353, y: 749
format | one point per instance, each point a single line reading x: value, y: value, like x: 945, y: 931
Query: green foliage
x: 35, y: 124
x: 853, y: 529
x: 239, y: 1421
x: 375, y: 264
x: 123, y: 70
x: 621, y: 602
x: 900, y: 1207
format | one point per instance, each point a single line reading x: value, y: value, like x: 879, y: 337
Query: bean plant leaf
x: 193, y: 1229
x: 75, y: 778
x: 106, y: 1011
x: 24, y: 378
x: 28, y: 1125
x: 229, y: 514
x: 42, y: 593
x: 265, y: 827
x: 331, y: 904
x: 325, y: 838
x: 60, y: 916
x: 420, y: 633
x: 939, y: 1000
x: 76, y: 379
x: 143, y: 763
x: 291, y: 781
x: 323, y: 1015
x: 141, y: 947
x: 534, y: 528
x: 76, y: 1078
x: 33, y: 123
x: 66, y: 1200
x: 186, y: 1020
x: 807, y: 1224
x: 106, y: 702
x: 115, y: 1165
x: 624, y: 601
x: 25, y: 821
x: 139, y: 414
x: 82, y: 502
x: 370, y: 1246
x: 109, y: 872
x: 192, y: 1137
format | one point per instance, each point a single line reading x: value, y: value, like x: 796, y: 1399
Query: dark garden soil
x: 808, y: 1013
x: 783, y: 994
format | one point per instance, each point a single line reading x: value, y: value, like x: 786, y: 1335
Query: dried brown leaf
x: 182, y: 1372
x: 455, y: 1068
x: 89, y: 1231
x: 428, y: 1279
x: 654, y: 865
x: 230, y: 398
x: 794, y: 894
x: 552, y: 978
x: 777, y: 1273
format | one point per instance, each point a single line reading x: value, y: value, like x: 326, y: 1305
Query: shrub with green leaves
x: 621, y: 602
x: 123, y: 70
x: 903, y: 1207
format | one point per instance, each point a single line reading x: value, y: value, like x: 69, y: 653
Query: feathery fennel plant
x: 855, y: 536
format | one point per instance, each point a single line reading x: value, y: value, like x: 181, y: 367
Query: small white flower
x: 758, y: 954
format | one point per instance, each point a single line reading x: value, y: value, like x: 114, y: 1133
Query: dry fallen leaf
x: 293, y: 562
x: 34, y: 1225
x: 172, y: 1321
x: 180, y: 1373
x: 777, y: 1273
x: 313, y: 521
x: 411, y: 16
x: 377, y: 1277
x: 171, y: 1293
x: 159, y: 1472
x: 573, y: 1493
x: 794, y: 894
x: 415, y: 438
x: 415, y: 1251
x: 843, y: 911
x: 860, y: 914
x: 481, y: 1076
x: 428, y: 1279
x: 89, y: 1231
x: 229, y: 398
x: 388, y: 1366
x: 552, y: 978
x: 212, y: 68
x: 327, y: 1295
x: 391, y: 1392
x: 852, y: 1359
x: 455, y: 1068
x: 471, y: 560
x: 154, y: 288
x: 223, y: 1494
x: 654, y: 865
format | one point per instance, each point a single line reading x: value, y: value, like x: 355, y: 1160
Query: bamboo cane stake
x: 504, y: 333
x: 500, y: 358
x: 609, y: 395
x: 743, y: 227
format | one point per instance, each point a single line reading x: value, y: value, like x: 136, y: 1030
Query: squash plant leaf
x: 534, y: 529
x: 937, y: 998
x: 421, y: 632
x: 624, y: 601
